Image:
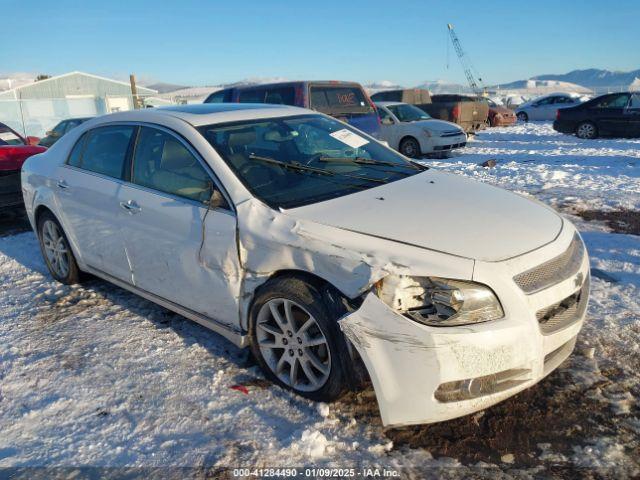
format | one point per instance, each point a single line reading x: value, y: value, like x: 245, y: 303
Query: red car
x: 500, y: 116
x: 14, y: 150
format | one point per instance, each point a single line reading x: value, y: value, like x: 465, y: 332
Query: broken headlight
x: 439, y: 302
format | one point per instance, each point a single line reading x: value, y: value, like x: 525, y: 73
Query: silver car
x: 546, y: 107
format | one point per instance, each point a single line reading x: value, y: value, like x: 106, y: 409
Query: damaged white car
x: 330, y: 255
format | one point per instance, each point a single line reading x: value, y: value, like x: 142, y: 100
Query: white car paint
x: 433, y: 135
x: 429, y: 225
x: 547, y: 106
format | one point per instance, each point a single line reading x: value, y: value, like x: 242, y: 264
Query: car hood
x: 442, y: 212
x: 437, y: 125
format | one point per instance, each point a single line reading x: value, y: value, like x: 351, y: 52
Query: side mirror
x: 386, y: 121
x: 216, y: 200
x: 32, y: 140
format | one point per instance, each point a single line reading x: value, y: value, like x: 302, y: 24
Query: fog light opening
x: 481, y: 386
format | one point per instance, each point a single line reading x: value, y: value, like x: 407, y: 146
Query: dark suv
x: 346, y: 101
x: 614, y: 115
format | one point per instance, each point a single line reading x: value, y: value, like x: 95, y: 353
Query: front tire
x: 522, y: 116
x: 586, y: 131
x: 410, y: 147
x: 56, y: 250
x: 296, y: 339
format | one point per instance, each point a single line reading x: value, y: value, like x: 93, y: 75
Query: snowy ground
x: 94, y: 375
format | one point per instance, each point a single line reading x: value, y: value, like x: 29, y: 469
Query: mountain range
x: 590, y: 78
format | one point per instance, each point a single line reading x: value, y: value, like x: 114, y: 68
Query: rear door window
x: 546, y: 101
x: 254, y: 95
x: 635, y: 101
x: 280, y: 96
x: 338, y: 99
x: 614, y: 101
x: 106, y: 150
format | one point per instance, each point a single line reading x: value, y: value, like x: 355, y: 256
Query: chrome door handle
x: 62, y: 184
x: 131, y: 206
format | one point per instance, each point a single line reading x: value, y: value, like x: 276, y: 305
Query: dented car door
x: 182, y: 246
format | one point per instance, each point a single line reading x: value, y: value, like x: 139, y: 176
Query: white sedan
x: 331, y: 256
x: 414, y: 133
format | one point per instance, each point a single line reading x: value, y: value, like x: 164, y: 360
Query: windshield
x: 408, y: 113
x: 9, y: 137
x: 293, y: 161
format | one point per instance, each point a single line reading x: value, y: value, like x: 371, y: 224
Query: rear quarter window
x: 76, y: 152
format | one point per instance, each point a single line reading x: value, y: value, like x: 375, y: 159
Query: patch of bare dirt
x: 619, y: 221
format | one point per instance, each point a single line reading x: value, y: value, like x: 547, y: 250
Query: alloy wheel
x: 292, y: 345
x: 55, y: 248
x: 410, y: 149
x: 586, y: 130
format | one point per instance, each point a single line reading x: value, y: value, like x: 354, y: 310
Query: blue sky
x: 211, y: 42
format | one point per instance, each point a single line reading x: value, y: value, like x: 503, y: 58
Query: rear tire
x: 296, y: 339
x: 522, y: 116
x: 56, y: 250
x: 586, y: 131
x: 410, y: 147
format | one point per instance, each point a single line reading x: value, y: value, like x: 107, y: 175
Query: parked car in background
x: 14, y: 150
x: 414, y: 133
x: 499, y: 116
x: 613, y: 115
x: 545, y: 107
x: 346, y: 101
x: 468, y: 112
x: 53, y: 135
x: 334, y: 258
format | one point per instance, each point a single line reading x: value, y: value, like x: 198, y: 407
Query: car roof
x: 208, y: 113
x: 292, y: 83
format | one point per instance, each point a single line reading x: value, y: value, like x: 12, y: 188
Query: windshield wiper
x: 369, y: 161
x: 293, y: 166
x: 304, y: 168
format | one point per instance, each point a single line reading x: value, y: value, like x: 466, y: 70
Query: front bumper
x: 424, y: 374
x: 443, y: 144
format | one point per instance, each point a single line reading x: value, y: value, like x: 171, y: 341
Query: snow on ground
x: 93, y: 375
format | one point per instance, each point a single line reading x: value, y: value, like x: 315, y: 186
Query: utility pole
x: 134, y: 91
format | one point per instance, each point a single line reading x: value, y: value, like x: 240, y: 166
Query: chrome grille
x: 451, y: 133
x: 565, y: 313
x: 553, y: 271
